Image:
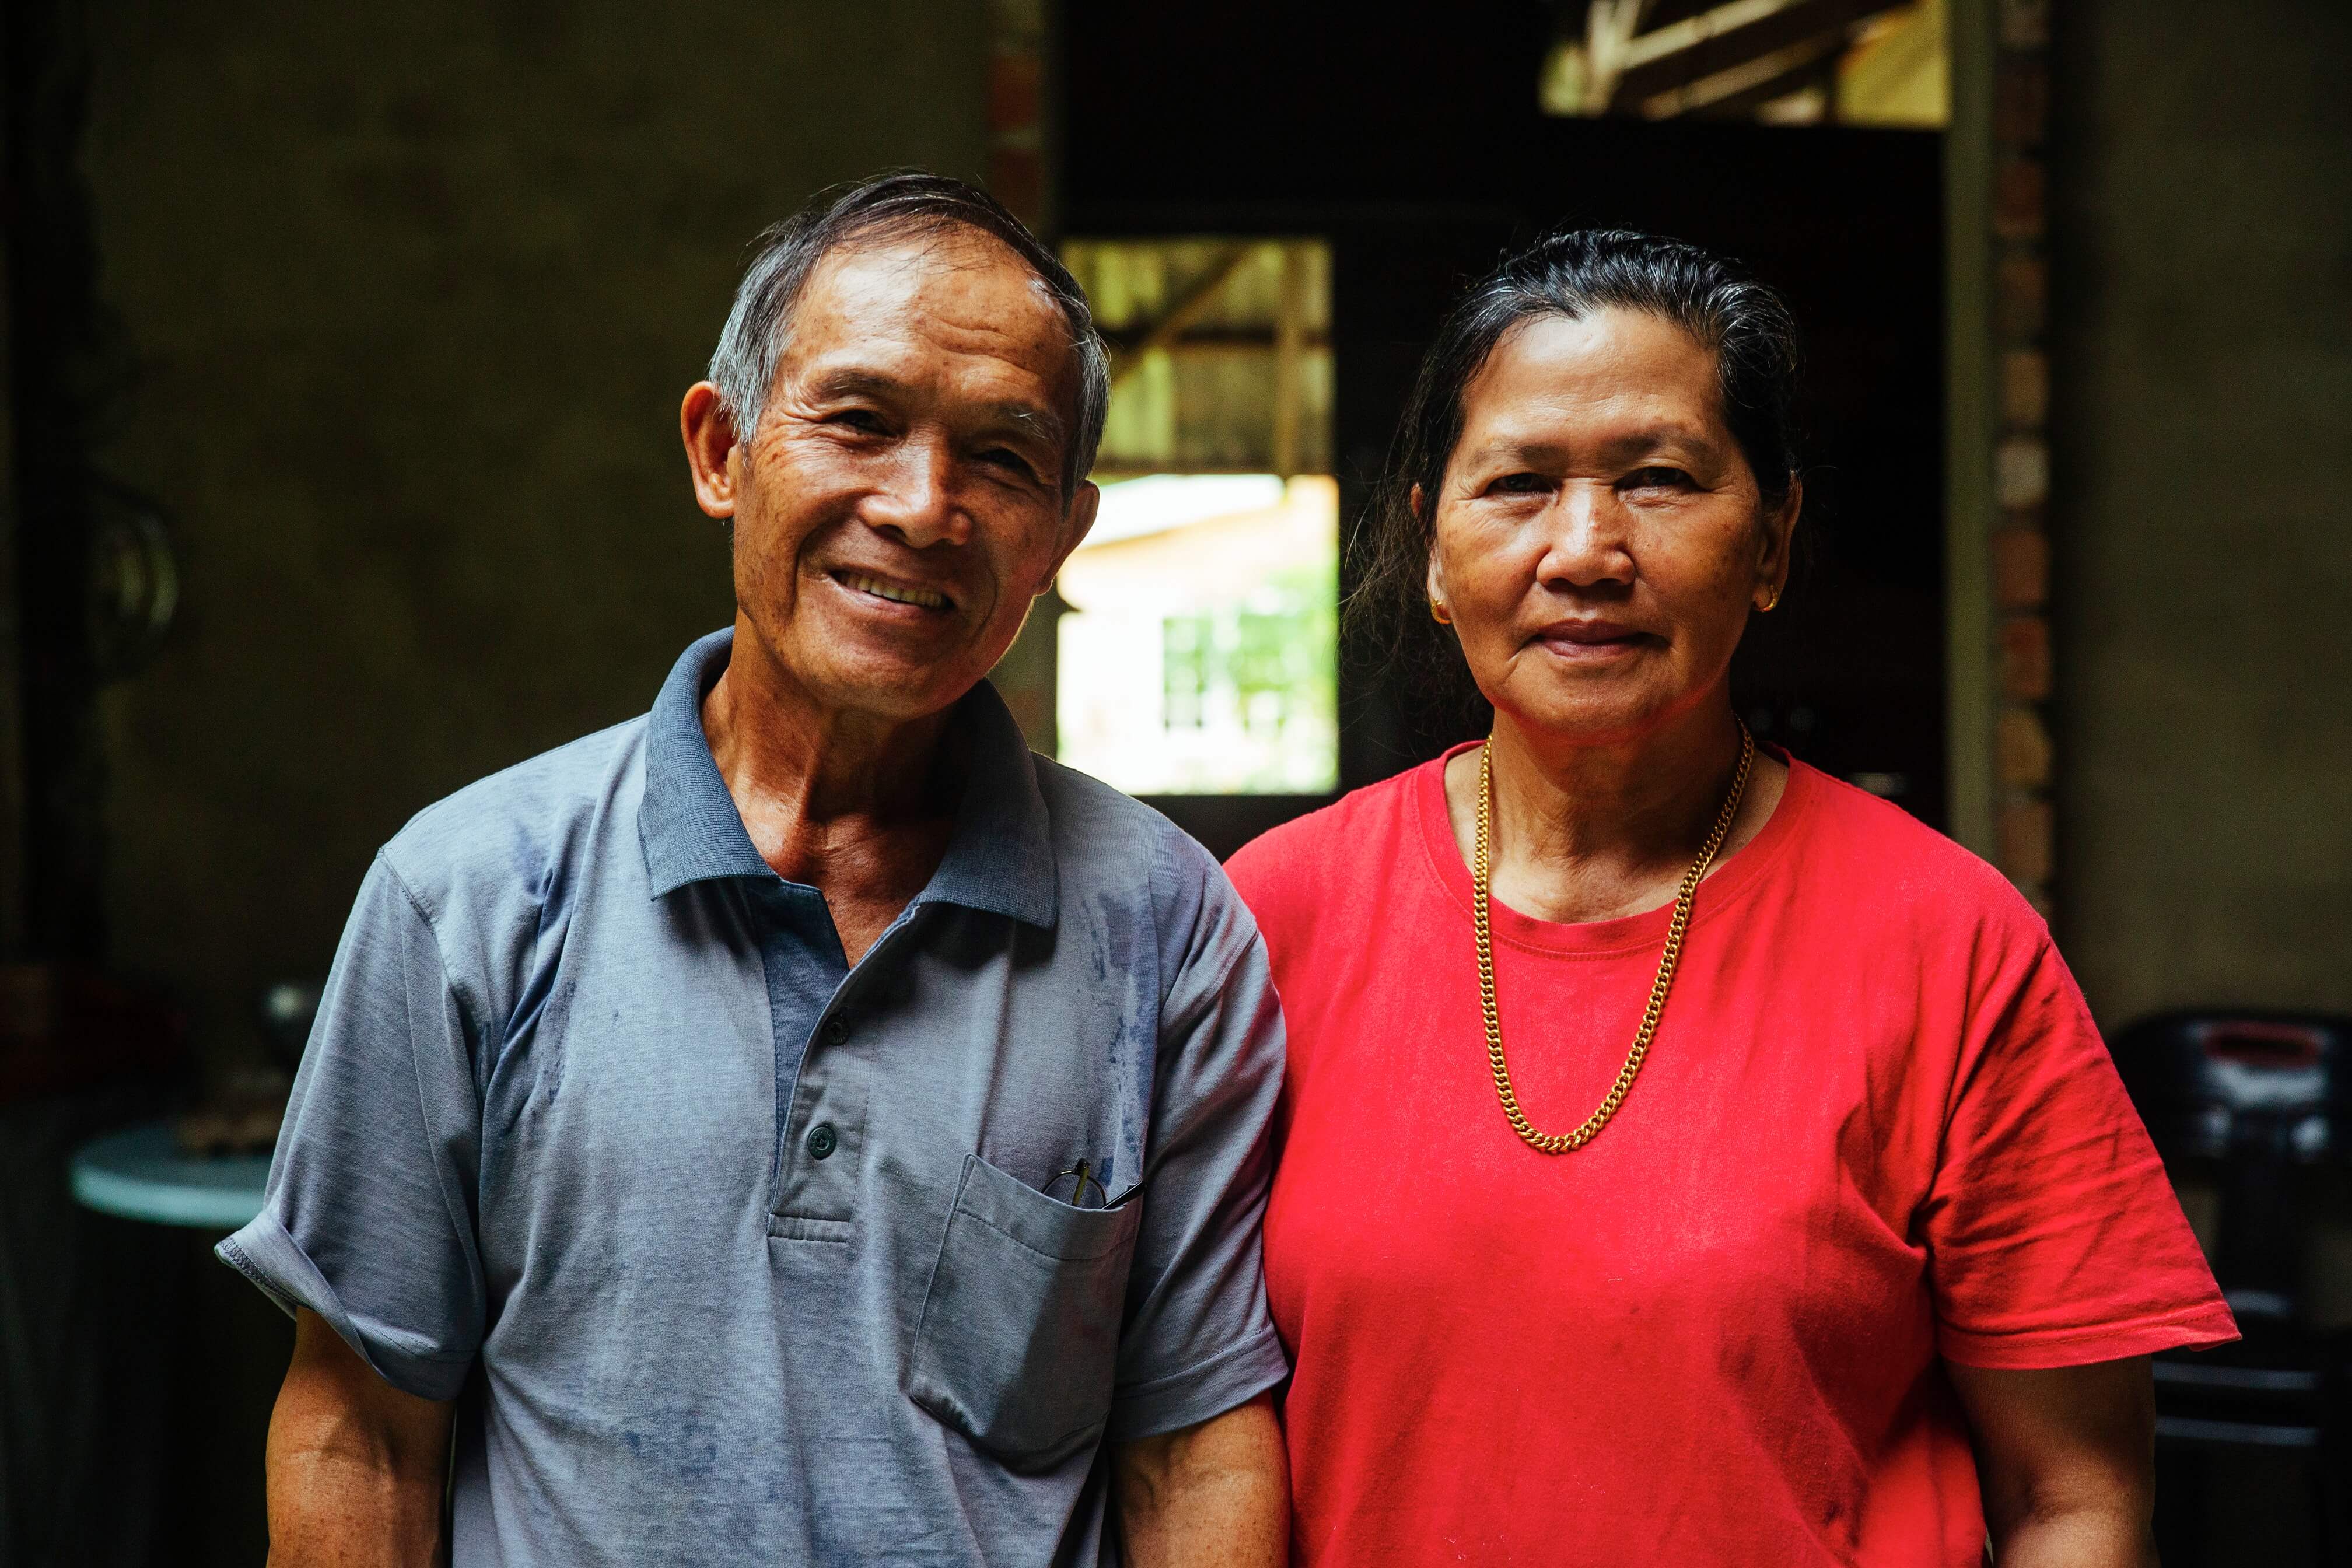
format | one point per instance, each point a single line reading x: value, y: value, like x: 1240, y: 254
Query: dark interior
x: 1420, y: 165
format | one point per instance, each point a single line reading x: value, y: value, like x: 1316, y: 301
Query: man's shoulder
x: 1102, y: 837
x: 1114, y: 852
x: 506, y: 832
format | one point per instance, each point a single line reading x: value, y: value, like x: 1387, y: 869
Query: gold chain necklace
x: 1561, y: 1143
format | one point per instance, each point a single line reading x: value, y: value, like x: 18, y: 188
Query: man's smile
x: 892, y: 590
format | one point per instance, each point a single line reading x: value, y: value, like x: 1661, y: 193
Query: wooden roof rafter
x: 1704, y: 61
x: 1189, y: 306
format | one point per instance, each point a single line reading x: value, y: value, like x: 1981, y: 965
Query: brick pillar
x: 1020, y: 176
x: 1016, y: 120
x: 2024, y: 836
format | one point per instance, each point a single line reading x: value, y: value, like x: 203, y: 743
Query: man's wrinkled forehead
x: 875, y: 278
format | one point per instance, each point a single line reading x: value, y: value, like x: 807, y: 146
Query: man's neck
x: 852, y: 804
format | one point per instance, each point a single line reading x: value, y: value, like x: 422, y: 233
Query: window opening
x: 1199, y: 653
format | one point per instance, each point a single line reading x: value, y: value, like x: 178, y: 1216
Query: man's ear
x: 708, y: 431
x: 1084, y: 504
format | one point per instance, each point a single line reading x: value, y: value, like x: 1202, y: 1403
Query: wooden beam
x: 1691, y: 32
x: 1189, y: 306
x: 1748, y: 84
x: 1732, y: 36
x: 1289, y: 360
x: 1609, y: 28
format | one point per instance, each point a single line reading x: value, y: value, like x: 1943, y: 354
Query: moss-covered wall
x: 2202, y: 427
x: 408, y: 296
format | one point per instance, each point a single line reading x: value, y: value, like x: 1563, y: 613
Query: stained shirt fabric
x: 1876, y: 1131
x: 733, y: 1253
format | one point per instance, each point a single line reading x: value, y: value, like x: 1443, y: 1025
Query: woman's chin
x: 1583, y: 728
x: 1583, y: 712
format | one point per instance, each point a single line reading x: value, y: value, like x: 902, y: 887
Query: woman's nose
x: 917, y: 498
x: 1586, y: 547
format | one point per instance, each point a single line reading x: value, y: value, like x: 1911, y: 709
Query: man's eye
x: 1656, y: 479
x: 1521, y: 484
x: 860, y: 419
x: 1010, y: 461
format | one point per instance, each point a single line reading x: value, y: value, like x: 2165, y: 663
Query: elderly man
x: 799, y: 1125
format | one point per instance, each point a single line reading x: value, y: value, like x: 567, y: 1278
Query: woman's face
x: 1599, y: 537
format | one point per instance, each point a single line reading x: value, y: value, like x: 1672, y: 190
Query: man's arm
x: 356, y: 1467
x: 2065, y: 1458
x: 1216, y: 1495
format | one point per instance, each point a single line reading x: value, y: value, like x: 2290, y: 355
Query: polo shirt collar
x: 1000, y: 855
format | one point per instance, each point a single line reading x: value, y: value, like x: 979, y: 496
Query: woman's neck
x: 1596, y: 832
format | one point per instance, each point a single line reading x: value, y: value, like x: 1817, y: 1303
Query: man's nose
x: 1586, y: 547
x: 917, y: 499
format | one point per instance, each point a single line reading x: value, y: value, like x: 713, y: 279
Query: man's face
x: 902, y: 501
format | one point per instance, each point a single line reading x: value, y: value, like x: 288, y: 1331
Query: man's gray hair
x: 893, y: 207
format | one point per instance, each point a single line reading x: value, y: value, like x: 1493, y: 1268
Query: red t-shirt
x: 1876, y: 1128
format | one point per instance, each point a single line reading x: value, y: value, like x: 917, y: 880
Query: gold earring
x: 1437, y: 612
x: 1766, y: 607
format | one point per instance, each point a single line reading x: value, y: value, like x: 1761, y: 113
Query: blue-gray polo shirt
x: 740, y: 1255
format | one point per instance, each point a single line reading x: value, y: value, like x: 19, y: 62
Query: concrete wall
x: 408, y: 296
x: 2202, y: 509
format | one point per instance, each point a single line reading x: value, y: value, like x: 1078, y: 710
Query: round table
x: 139, y: 1174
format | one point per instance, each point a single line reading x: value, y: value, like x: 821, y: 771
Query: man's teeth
x: 892, y: 591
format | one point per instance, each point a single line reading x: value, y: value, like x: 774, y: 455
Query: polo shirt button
x: 837, y: 1030
x: 823, y: 1141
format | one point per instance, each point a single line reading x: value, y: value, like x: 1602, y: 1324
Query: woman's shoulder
x: 1873, y: 848
x: 1301, y: 861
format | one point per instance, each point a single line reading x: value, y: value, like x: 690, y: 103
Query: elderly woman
x: 1685, y: 1158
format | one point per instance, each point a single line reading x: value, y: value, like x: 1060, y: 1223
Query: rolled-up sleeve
x: 2053, y: 1238
x: 1198, y: 1339
x: 369, y: 1216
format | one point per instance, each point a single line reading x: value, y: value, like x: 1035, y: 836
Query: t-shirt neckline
x: 1733, y: 876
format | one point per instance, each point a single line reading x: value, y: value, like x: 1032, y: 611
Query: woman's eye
x: 1521, y: 484
x: 1656, y: 479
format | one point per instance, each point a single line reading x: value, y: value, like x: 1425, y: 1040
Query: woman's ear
x: 1433, y: 575
x: 1436, y: 585
x: 1779, y: 533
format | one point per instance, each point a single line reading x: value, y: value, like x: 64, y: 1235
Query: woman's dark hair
x: 1570, y: 273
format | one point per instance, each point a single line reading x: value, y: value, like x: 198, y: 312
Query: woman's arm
x: 356, y: 1467
x: 2065, y: 1458
x: 1215, y: 1494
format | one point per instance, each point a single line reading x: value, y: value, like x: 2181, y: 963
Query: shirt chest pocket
x: 1017, y: 1343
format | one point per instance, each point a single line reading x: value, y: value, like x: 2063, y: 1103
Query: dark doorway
x: 1419, y: 160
